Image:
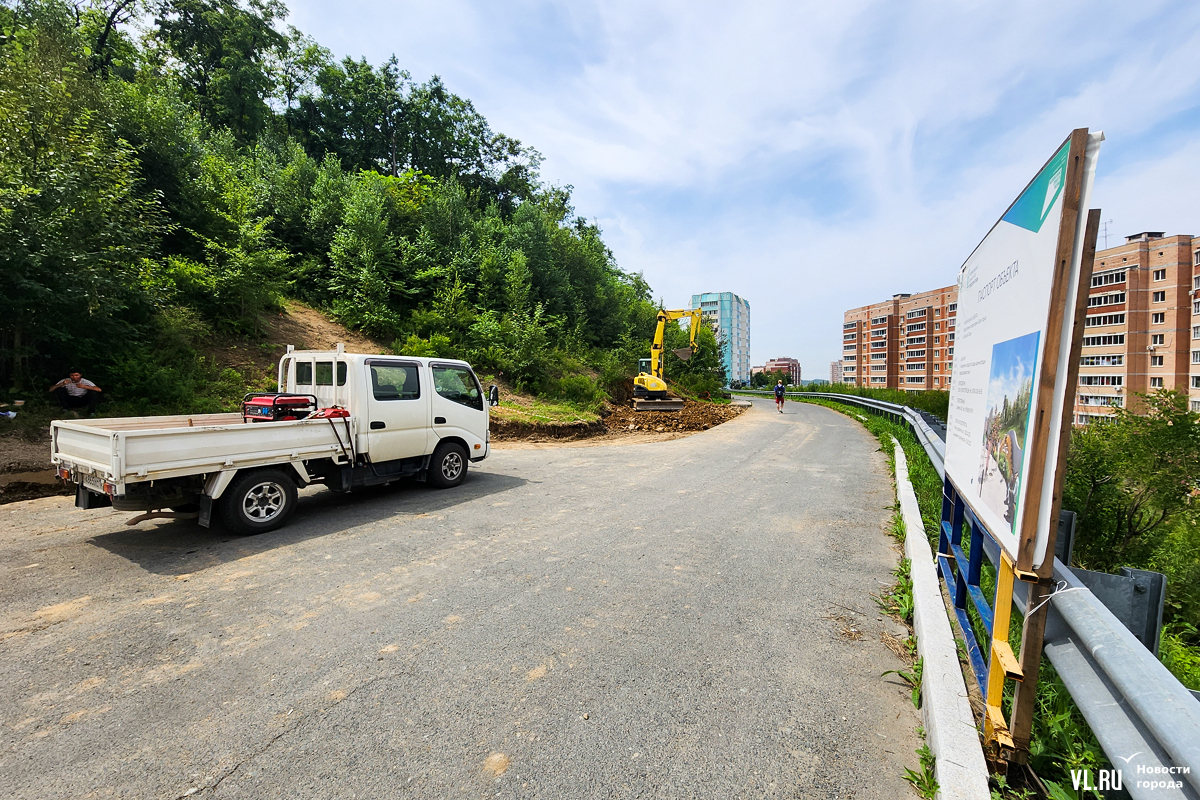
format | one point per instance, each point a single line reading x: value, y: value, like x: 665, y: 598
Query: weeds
x: 923, y: 782
x: 912, y: 678
x: 898, y: 600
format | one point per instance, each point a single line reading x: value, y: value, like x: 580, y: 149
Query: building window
x: 1105, y: 319
x: 1196, y: 307
x: 1196, y: 282
x: 1196, y: 381
x: 878, y: 356
x: 1110, y: 277
x: 1157, y: 338
x: 1156, y: 383
x: 1098, y: 400
x: 1100, y: 341
x: 879, y: 368
x: 1196, y: 356
x: 1101, y: 380
x: 915, y: 340
x: 918, y: 326
x: 1106, y: 299
x: 1196, y: 405
x: 878, y: 380
x: 915, y: 380
x: 849, y: 337
x: 954, y: 307
x: 1160, y: 274
x: 920, y: 312
x: 1196, y: 331
x: 1158, y: 319
x: 879, y: 321
x: 1102, y: 361
x: 1156, y: 361
x: 1159, y: 297
x: 916, y: 353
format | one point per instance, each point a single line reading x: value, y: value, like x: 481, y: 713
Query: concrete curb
x: 960, y: 769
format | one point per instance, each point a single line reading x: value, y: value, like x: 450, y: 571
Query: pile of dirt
x: 694, y: 417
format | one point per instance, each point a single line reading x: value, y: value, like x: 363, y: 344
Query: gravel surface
x: 689, y: 618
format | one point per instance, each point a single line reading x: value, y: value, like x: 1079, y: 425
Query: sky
x: 810, y: 156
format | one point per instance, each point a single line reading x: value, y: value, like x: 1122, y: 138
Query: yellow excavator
x: 649, y: 388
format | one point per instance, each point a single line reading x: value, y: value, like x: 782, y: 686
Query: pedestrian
x: 779, y: 395
x: 75, y: 391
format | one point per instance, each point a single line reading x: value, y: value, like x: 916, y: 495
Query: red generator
x: 277, y: 407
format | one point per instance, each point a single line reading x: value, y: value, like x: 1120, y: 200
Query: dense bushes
x: 196, y: 176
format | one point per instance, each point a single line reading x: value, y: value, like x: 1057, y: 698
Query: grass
x: 536, y: 411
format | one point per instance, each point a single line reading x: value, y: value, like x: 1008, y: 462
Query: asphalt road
x: 647, y: 620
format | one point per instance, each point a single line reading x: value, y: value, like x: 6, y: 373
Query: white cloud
x: 809, y: 156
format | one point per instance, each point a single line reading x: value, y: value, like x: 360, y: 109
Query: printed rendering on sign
x: 1010, y: 388
x: 1000, y: 345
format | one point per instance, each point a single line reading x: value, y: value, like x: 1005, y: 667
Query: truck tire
x: 258, y: 501
x: 448, y: 466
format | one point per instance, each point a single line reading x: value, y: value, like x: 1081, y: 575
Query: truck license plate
x: 94, y: 483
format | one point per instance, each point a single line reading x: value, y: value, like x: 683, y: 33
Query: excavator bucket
x: 684, y: 353
x: 666, y: 404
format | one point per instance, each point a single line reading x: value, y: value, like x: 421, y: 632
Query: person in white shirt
x: 76, y: 391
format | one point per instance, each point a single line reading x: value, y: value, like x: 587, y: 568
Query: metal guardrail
x: 1146, y: 721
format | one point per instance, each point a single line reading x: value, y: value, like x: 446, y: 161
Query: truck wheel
x: 448, y: 466
x: 258, y: 501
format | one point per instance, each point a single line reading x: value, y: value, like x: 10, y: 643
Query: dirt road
x: 687, y: 618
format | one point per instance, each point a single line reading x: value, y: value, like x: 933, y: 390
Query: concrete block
x: 960, y: 768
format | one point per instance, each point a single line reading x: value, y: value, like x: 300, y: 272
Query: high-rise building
x: 903, y: 343
x: 835, y: 371
x: 1142, y: 331
x: 729, y: 316
x: 789, y: 365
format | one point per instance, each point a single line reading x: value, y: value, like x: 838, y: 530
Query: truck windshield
x: 459, y: 385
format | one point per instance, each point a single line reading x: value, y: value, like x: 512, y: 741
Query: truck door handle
x: 377, y: 425
x: 439, y: 420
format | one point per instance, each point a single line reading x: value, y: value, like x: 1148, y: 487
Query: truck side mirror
x: 493, y: 395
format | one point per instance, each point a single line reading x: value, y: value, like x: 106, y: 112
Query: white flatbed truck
x: 382, y: 418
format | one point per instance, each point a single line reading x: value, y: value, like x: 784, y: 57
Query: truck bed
x: 133, y: 449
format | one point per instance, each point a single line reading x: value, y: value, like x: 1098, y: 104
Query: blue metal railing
x: 964, y: 586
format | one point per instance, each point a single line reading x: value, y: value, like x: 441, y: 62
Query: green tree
x: 72, y: 225
x: 223, y: 52
x: 1130, y: 477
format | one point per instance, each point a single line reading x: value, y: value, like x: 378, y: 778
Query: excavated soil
x: 694, y: 417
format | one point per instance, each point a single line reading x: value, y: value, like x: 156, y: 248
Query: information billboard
x: 1016, y: 306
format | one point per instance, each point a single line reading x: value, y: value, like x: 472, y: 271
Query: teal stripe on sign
x: 1034, y: 204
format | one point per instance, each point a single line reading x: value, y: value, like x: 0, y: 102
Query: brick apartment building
x: 789, y: 365
x: 835, y: 371
x: 1142, y: 331
x: 904, y: 343
x: 1143, y: 324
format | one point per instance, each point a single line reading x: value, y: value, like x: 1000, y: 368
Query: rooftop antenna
x: 1104, y: 231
